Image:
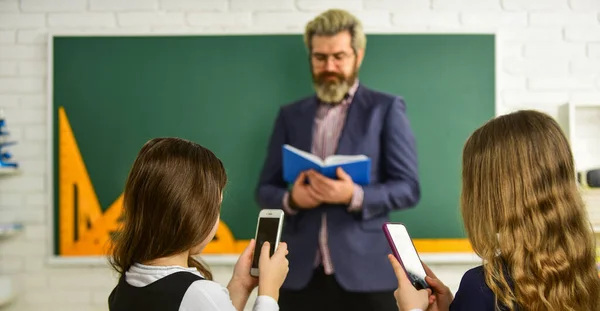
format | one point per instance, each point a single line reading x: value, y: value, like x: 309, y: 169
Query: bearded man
x: 333, y: 227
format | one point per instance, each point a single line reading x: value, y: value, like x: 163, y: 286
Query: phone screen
x: 267, y: 231
x: 407, y: 252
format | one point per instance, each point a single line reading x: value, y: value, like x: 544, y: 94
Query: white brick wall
x: 194, y: 5
x: 262, y: 5
x: 548, y: 53
x: 53, y: 5
x: 397, y: 5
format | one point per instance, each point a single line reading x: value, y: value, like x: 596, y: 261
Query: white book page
x: 343, y: 159
x: 307, y: 155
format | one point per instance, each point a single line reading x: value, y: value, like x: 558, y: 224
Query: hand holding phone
x: 273, y: 270
x: 268, y: 229
x: 405, y: 252
x: 407, y: 296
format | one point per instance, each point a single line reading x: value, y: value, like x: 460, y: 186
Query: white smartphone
x: 404, y: 250
x: 268, y: 228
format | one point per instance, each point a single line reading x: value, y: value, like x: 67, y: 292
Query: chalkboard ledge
x: 428, y: 258
x: 230, y: 260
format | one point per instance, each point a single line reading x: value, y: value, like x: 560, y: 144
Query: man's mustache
x: 324, y: 75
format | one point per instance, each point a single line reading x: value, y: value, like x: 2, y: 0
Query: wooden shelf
x: 584, y: 153
x: 9, y: 229
x: 6, y: 170
x: 586, y: 104
x: 7, y: 292
x: 569, y: 118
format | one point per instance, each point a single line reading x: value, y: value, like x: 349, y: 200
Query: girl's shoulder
x: 207, y: 295
x: 474, y: 279
x: 473, y: 293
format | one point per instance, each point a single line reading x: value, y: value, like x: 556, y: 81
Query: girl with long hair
x: 525, y: 218
x: 172, y: 201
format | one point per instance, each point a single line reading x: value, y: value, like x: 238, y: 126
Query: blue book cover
x: 296, y: 161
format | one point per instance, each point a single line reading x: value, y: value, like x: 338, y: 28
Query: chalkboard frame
x: 446, y: 248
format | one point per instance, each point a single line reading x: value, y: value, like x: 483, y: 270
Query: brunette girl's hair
x: 172, y: 200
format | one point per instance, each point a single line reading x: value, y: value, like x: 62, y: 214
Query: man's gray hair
x: 332, y: 22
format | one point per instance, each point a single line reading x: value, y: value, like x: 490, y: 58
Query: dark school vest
x: 163, y: 295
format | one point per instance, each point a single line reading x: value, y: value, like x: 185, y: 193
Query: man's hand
x: 334, y: 191
x: 302, y: 196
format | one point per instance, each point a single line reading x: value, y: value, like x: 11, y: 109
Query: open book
x: 295, y: 161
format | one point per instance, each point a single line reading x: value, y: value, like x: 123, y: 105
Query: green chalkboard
x: 224, y: 92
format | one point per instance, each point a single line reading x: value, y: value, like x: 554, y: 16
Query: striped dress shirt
x: 328, y: 126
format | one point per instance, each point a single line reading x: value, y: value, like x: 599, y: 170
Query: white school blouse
x: 201, y: 295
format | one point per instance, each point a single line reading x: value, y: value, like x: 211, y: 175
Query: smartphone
x: 268, y: 228
x: 404, y: 250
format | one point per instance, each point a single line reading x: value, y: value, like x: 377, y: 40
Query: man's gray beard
x: 332, y: 93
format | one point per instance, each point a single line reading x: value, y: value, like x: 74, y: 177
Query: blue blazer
x: 376, y: 126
